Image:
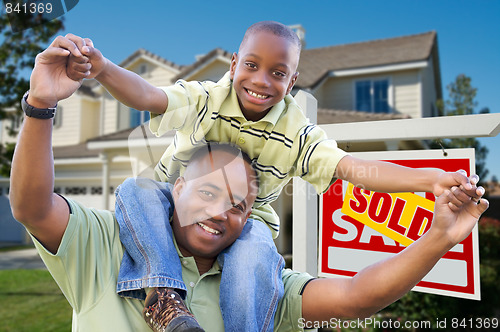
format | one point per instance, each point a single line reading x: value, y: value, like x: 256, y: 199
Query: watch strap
x: 34, y: 112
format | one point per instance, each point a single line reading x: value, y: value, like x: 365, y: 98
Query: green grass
x: 30, y: 300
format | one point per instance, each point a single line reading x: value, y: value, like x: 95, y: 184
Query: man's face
x: 212, y: 204
x: 263, y: 72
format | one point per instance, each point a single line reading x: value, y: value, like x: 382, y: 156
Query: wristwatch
x: 39, y: 113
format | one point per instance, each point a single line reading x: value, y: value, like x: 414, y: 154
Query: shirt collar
x: 215, y: 269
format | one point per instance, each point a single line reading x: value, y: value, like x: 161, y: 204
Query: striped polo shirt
x: 283, y: 144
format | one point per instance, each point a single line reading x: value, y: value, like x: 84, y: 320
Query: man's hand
x: 456, y: 213
x: 49, y: 82
x: 89, y: 64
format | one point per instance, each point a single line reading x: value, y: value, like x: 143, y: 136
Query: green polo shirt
x: 282, y: 145
x: 86, y: 268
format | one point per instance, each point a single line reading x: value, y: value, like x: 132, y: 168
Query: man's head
x: 213, y: 200
x: 265, y: 68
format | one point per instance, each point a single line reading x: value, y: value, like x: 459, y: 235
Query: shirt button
x: 185, y: 262
x: 241, y: 140
x: 192, y: 284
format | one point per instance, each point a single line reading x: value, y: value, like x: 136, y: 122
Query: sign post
x: 360, y: 227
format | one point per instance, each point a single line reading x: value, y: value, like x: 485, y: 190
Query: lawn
x: 30, y: 300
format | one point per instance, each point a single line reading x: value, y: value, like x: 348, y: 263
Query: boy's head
x: 265, y: 68
x: 213, y: 200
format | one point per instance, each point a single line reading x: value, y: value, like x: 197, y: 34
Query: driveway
x: 20, y: 259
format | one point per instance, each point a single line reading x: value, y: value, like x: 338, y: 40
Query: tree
x: 17, y: 57
x: 462, y: 101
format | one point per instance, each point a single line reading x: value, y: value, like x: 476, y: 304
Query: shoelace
x: 167, y: 307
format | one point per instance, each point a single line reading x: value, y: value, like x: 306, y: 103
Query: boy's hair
x: 275, y: 28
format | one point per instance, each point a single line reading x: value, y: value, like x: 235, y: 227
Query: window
x: 130, y: 118
x: 143, y: 69
x: 137, y: 117
x: 75, y: 191
x: 372, y: 96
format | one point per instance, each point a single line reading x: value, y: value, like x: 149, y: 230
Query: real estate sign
x: 360, y: 227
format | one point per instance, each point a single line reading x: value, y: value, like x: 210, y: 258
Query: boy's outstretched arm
x: 380, y: 284
x: 388, y: 177
x: 124, y: 85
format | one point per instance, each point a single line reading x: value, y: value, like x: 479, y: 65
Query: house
x: 98, y: 142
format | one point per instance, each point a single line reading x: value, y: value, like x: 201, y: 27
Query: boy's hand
x: 447, y: 180
x: 90, y: 64
x: 456, y: 213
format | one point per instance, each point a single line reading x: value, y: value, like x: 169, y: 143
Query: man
x: 82, y: 250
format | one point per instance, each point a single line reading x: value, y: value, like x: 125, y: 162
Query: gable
x: 211, y: 66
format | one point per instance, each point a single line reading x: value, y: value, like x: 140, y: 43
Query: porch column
x: 105, y: 180
x: 305, y: 207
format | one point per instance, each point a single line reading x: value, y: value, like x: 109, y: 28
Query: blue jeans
x: 251, y: 283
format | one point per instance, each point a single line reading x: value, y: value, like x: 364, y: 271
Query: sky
x: 468, y: 32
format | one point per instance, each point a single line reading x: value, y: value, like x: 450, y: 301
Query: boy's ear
x: 292, y: 82
x: 232, y: 66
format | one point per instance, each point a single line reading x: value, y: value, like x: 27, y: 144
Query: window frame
x: 372, y: 80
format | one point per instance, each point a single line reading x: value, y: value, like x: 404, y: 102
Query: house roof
x: 317, y: 62
x: 212, y: 55
x: 87, y: 88
x: 74, y: 151
x: 119, y: 135
x: 142, y: 52
x: 326, y: 116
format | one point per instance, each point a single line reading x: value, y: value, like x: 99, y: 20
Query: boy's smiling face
x: 263, y: 72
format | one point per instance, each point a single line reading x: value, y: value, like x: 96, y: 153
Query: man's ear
x: 248, y: 215
x: 292, y: 82
x: 178, y: 186
x: 232, y: 66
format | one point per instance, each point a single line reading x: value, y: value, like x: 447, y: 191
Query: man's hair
x: 234, y: 150
x: 275, y: 28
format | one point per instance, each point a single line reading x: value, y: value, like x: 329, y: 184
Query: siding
x: 213, y: 72
x: 159, y: 76
x: 429, y: 94
x: 89, y: 118
x: 110, y: 108
x: 337, y: 93
x: 407, y: 93
x: 69, y: 131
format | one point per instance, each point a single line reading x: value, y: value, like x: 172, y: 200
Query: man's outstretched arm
x: 32, y: 197
x: 380, y: 284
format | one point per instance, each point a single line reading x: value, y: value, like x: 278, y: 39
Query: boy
x: 251, y: 107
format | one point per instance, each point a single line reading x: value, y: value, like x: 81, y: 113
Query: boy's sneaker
x: 164, y: 311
